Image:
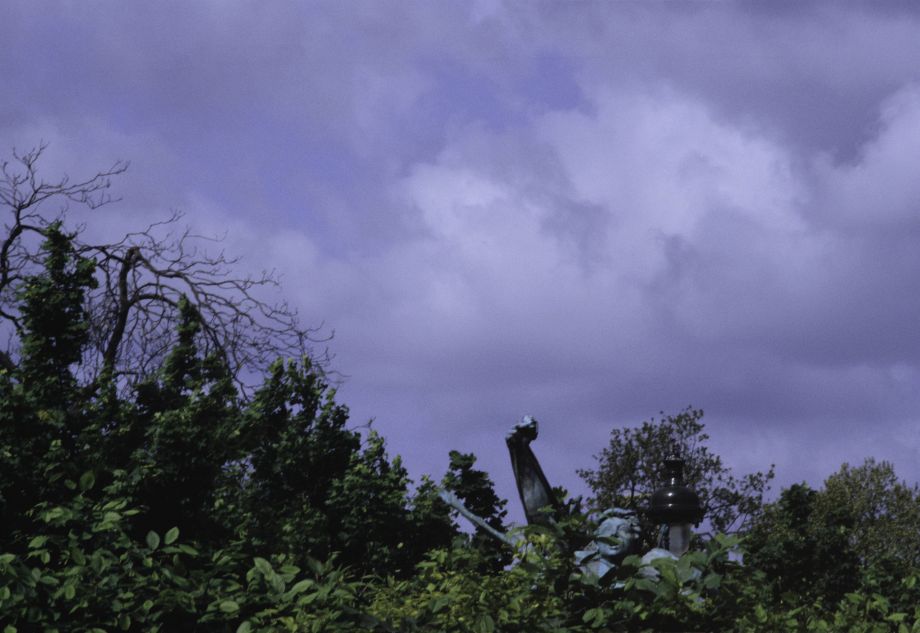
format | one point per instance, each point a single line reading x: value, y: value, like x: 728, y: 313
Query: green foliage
x: 451, y: 592
x: 183, y: 431
x: 80, y: 569
x: 368, y: 507
x: 83, y: 571
x: 475, y: 489
x: 148, y: 512
x: 430, y: 521
x: 858, y: 533
x: 298, y: 446
x: 864, y: 611
x: 53, y: 317
x: 542, y: 590
x: 44, y: 426
x: 802, y: 555
x: 629, y: 469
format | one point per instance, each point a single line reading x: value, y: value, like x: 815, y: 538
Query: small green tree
x: 477, y: 492
x: 296, y: 445
x: 803, y: 556
x: 629, y: 469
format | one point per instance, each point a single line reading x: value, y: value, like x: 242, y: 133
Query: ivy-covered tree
x: 68, y: 558
x: 45, y: 431
x: 189, y: 418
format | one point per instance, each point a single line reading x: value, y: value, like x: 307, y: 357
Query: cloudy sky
x: 586, y: 211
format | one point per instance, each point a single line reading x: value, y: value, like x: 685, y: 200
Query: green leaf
x: 438, y: 603
x: 37, y: 542
x: 229, y: 606
x: 712, y: 581
x: 187, y: 549
x: 263, y: 566
x: 77, y: 556
x: 87, y: 480
x: 300, y: 587
x: 484, y: 624
x: 55, y: 513
x: 153, y: 540
x: 315, y: 566
x: 245, y: 627
x: 595, y: 617
x: 171, y: 535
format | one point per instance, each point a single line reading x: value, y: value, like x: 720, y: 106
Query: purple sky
x: 585, y: 211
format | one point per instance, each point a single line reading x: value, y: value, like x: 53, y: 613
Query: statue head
x: 617, y: 534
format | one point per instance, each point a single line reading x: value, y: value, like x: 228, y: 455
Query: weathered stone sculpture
x: 537, y: 496
x: 616, y: 536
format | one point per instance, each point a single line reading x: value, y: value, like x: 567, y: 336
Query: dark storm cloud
x: 586, y: 211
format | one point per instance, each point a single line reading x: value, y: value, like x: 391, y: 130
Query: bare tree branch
x: 133, y: 311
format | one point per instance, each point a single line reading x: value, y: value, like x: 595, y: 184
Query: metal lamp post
x: 675, y: 507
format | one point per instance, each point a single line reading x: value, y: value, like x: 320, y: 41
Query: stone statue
x: 616, y: 536
x: 540, y: 504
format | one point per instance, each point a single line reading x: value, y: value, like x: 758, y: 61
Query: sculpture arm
x: 453, y: 501
x: 533, y: 488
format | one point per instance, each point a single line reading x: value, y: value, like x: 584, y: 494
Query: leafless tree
x: 142, y: 278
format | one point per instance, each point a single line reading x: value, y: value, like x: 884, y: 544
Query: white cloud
x: 880, y: 189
